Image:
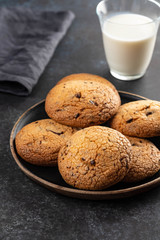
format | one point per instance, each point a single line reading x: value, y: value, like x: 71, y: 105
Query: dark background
x: 29, y: 211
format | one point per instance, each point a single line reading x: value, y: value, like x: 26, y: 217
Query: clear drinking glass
x: 129, y: 30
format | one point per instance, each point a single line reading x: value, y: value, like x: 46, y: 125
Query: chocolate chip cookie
x: 39, y: 142
x: 82, y: 103
x: 94, y: 158
x: 138, y: 119
x: 145, y: 160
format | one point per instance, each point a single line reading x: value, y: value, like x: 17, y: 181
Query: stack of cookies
x: 91, y: 156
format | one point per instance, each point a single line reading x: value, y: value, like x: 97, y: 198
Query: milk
x: 129, y: 41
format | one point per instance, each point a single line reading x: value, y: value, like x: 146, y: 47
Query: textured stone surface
x: 29, y: 211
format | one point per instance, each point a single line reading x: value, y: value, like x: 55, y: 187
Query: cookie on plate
x: 138, y: 119
x: 82, y: 103
x: 87, y: 77
x: 145, y: 160
x: 94, y: 158
x: 39, y: 142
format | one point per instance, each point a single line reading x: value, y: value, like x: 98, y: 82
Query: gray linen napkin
x: 28, y: 39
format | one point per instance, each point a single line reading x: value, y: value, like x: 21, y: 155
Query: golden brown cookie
x: 145, y: 160
x: 86, y: 77
x: 94, y: 158
x: 81, y: 103
x: 39, y: 142
x: 138, y: 119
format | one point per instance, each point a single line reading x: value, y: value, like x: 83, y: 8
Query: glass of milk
x: 129, y: 30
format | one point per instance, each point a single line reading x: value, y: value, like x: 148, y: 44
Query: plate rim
x: 78, y: 193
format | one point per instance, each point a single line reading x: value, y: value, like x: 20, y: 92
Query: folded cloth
x: 28, y: 39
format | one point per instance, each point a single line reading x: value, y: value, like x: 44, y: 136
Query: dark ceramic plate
x: 50, y: 177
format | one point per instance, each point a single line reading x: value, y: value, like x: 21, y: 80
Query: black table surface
x: 28, y: 210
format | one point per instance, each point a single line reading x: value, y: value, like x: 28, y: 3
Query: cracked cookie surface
x: 138, y: 119
x: 81, y: 103
x: 145, y: 160
x: 87, y: 77
x: 94, y: 158
x: 39, y: 142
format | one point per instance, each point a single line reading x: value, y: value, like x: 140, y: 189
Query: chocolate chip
x: 58, y: 110
x: 129, y: 120
x: 148, y: 113
x: 77, y: 115
x: 57, y: 133
x: 78, y: 95
x: 94, y: 103
x: 83, y: 159
x: 121, y: 159
x: 127, y: 165
x: 92, y: 162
